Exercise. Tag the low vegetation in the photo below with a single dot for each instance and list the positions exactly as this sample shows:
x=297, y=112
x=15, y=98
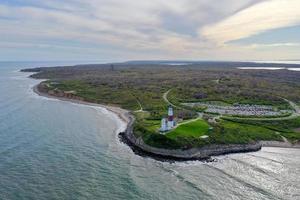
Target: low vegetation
x=140, y=87
x=287, y=128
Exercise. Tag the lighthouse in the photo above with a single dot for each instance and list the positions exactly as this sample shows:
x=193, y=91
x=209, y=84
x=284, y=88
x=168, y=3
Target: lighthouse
x=168, y=123
x=171, y=123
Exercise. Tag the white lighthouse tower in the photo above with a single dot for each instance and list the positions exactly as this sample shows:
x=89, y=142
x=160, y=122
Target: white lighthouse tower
x=171, y=123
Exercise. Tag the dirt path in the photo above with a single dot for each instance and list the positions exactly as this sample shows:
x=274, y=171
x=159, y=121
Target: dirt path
x=192, y=120
x=140, y=105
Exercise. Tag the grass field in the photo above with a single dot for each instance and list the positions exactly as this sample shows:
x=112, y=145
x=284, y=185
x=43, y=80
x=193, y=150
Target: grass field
x=193, y=129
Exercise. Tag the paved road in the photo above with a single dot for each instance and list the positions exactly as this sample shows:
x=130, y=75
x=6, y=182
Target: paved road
x=294, y=106
x=165, y=97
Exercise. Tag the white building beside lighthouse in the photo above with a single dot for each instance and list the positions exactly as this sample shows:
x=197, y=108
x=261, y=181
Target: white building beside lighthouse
x=168, y=123
x=164, y=125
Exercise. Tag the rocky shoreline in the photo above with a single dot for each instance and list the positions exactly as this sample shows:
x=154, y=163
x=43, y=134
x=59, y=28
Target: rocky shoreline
x=201, y=153
x=139, y=147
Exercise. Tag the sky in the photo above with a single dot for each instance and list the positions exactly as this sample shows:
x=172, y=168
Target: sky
x=119, y=30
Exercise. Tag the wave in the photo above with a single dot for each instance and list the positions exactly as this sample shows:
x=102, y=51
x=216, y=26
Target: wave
x=246, y=184
x=186, y=181
x=254, y=167
x=265, y=158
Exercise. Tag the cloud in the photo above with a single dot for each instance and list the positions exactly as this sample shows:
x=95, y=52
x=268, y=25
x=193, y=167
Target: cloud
x=256, y=46
x=144, y=28
x=256, y=19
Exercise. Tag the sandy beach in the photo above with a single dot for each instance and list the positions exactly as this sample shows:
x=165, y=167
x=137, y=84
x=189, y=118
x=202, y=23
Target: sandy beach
x=121, y=113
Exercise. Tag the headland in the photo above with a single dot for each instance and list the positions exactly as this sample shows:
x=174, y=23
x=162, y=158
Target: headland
x=186, y=112
x=141, y=148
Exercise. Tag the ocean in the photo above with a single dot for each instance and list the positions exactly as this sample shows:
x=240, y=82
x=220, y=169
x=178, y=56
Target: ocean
x=50, y=149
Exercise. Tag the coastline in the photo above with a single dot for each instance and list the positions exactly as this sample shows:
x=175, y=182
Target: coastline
x=140, y=148
x=284, y=144
x=122, y=114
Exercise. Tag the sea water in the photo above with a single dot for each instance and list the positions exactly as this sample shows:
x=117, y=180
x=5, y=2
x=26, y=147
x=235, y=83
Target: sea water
x=50, y=149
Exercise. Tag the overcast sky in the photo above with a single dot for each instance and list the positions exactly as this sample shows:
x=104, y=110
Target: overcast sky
x=116, y=30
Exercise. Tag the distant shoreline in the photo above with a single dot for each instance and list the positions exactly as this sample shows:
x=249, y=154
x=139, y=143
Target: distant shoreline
x=269, y=68
x=142, y=149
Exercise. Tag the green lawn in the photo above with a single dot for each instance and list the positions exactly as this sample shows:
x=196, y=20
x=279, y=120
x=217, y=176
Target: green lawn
x=193, y=129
